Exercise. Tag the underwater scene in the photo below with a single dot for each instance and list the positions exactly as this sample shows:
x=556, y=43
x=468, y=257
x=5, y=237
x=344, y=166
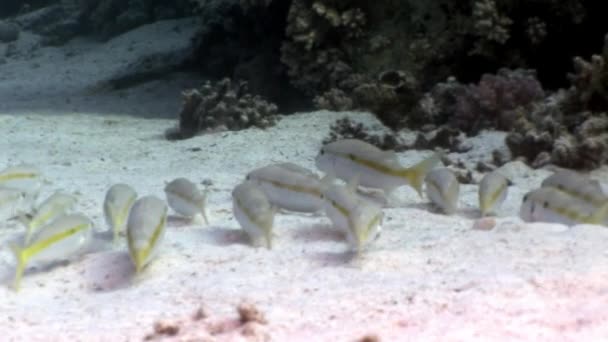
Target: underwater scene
x=303, y=170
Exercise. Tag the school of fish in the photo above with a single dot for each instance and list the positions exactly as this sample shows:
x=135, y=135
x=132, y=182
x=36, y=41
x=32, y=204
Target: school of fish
x=56, y=231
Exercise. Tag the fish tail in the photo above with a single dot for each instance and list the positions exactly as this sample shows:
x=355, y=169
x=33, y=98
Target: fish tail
x=22, y=257
x=415, y=175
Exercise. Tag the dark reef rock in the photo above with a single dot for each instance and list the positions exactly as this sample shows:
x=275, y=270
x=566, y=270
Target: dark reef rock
x=222, y=106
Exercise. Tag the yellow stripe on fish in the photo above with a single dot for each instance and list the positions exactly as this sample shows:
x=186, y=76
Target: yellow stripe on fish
x=145, y=229
x=492, y=192
x=375, y=168
x=554, y=206
x=58, y=232
x=253, y=211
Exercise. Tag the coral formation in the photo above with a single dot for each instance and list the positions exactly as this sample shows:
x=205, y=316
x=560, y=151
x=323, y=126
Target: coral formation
x=569, y=128
x=222, y=106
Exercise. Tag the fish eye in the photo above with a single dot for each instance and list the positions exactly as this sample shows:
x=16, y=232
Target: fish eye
x=351, y=156
x=545, y=204
x=248, y=177
x=526, y=198
x=322, y=151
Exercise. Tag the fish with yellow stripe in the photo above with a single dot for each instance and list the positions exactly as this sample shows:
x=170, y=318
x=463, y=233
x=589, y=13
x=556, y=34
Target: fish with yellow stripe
x=549, y=204
x=116, y=206
x=56, y=205
x=374, y=167
x=443, y=188
x=59, y=240
x=578, y=186
x=25, y=178
x=146, y=229
x=254, y=212
x=359, y=219
x=492, y=192
x=289, y=186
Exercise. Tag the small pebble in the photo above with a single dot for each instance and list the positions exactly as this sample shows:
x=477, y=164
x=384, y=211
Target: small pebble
x=485, y=223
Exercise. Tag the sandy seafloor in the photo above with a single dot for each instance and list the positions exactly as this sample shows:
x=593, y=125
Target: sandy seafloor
x=429, y=277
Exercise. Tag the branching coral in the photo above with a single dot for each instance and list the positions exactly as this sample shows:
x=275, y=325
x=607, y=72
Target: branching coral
x=222, y=106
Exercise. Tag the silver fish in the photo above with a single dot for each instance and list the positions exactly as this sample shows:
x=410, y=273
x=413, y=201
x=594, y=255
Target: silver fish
x=551, y=205
x=116, y=206
x=146, y=229
x=442, y=188
x=254, y=212
x=374, y=168
x=56, y=241
x=578, y=186
x=289, y=186
x=359, y=219
x=493, y=190
x=56, y=205
x=186, y=199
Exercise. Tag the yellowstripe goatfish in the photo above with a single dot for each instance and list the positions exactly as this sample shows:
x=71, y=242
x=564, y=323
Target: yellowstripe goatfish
x=374, y=168
x=186, y=199
x=442, y=188
x=549, y=204
x=359, y=219
x=254, y=212
x=25, y=178
x=53, y=207
x=116, y=206
x=289, y=186
x=59, y=240
x=146, y=229
x=492, y=192
x=578, y=186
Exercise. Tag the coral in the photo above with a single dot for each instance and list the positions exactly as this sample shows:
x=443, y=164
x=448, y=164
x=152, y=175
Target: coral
x=590, y=81
x=489, y=104
x=569, y=128
x=491, y=26
x=222, y=106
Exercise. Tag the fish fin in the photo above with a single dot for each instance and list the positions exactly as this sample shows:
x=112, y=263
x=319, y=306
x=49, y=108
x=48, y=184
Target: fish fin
x=22, y=258
x=417, y=173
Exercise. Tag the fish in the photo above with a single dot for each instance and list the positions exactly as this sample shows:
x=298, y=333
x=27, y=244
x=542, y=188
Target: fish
x=59, y=240
x=442, y=189
x=11, y=203
x=116, y=206
x=289, y=186
x=359, y=219
x=493, y=190
x=374, y=167
x=578, y=186
x=146, y=229
x=254, y=212
x=54, y=206
x=186, y=199
x=24, y=177
x=549, y=204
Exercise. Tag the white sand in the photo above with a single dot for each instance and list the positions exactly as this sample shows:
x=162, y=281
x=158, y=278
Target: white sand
x=429, y=277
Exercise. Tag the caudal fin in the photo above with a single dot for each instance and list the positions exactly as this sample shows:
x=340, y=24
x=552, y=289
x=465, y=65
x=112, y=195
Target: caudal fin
x=415, y=175
x=21, y=257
